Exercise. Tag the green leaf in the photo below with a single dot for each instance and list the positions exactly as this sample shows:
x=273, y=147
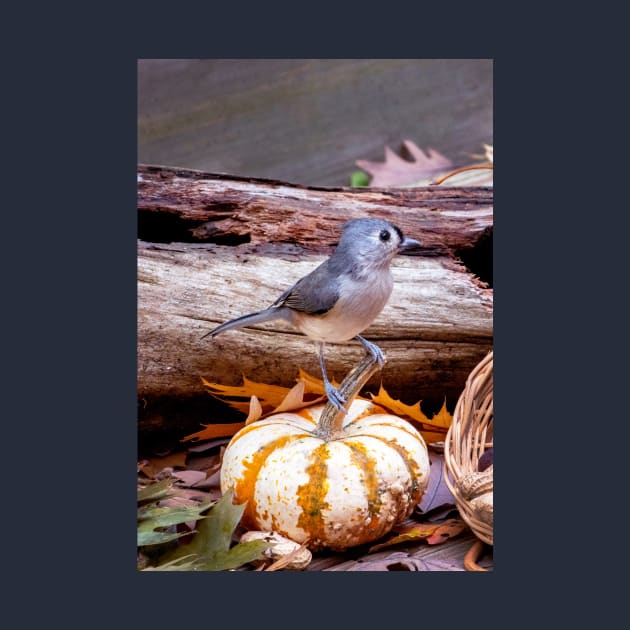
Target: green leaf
x=151, y=537
x=222, y=521
x=359, y=178
x=157, y=490
x=211, y=544
x=153, y=519
x=236, y=557
x=164, y=516
x=186, y=563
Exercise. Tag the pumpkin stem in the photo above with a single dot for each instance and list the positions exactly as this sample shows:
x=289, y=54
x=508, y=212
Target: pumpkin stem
x=331, y=420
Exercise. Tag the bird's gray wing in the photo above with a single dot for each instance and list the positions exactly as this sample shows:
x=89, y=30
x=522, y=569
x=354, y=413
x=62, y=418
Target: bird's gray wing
x=314, y=294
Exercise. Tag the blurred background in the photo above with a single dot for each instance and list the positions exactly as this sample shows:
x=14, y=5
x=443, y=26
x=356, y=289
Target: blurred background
x=307, y=121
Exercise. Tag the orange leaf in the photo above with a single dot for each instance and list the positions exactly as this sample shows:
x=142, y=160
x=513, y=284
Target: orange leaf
x=212, y=431
x=398, y=407
x=262, y=400
x=269, y=398
x=312, y=385
x=269, y=395
x=433, y=429
x=442, y=418
x=273, y=399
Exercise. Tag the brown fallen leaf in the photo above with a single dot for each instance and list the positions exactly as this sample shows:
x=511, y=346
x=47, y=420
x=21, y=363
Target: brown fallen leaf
x=203, y=462
x=255, y=410
x=213, y=479
x=210, y=480
x=293, y=400
x=189, y=478
x=396, y=171
x=155, y=465
x=432, y=533
x=184, y=497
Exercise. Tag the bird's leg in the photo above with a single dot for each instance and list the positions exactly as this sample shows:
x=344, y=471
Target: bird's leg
x=374, y=350
x=331, y=391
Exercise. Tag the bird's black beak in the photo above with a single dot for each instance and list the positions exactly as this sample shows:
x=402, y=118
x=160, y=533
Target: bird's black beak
x=409, y=245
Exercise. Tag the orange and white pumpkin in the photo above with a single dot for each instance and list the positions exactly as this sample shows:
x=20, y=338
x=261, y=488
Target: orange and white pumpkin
x=338, y=493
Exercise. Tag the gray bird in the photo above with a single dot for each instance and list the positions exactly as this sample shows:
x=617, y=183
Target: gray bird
x=342, y=297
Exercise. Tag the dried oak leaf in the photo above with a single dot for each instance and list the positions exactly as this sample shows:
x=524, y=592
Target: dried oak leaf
x=215, y=430
x=153, y=466
x=432, y=533
x=268, y=395
x=259, y=400
x=396, y=171
x=264, y=400
x=433, y=429
x=189, y=478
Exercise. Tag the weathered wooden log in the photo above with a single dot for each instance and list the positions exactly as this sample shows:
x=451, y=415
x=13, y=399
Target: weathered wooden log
x=213, y=247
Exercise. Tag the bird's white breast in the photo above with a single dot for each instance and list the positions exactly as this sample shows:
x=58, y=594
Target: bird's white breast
x=359, y=304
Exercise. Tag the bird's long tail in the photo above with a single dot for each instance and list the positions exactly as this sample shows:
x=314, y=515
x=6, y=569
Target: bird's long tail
x=267, y=315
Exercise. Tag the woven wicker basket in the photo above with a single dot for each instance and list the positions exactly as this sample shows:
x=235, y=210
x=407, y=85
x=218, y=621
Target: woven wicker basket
x=469, y=436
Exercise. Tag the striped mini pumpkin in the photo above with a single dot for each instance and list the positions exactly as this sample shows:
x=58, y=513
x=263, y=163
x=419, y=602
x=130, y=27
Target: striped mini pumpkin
x=339, y=493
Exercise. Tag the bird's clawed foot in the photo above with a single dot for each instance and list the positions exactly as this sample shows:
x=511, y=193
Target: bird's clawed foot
x=338, y=401
x=334, y=396
x=374, y=350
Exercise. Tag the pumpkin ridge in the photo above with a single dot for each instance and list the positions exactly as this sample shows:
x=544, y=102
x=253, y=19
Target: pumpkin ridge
x=415, y=473
x=360, y=458
x=312, y=495
x=246, y=482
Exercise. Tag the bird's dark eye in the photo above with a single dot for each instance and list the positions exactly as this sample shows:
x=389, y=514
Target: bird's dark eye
x=384, y=235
